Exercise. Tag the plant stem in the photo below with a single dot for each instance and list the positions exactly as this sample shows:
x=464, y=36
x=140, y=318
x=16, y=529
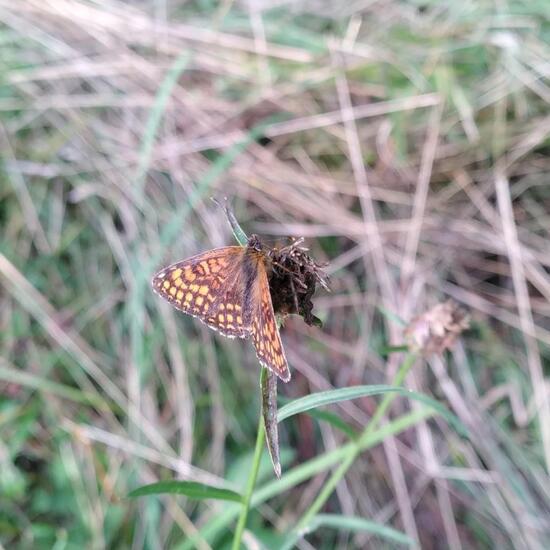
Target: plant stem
x=241, y=524
x=356, y=449
x=306, y=471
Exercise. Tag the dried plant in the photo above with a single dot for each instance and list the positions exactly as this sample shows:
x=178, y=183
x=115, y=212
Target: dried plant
x=437, y=329
x=293, y=280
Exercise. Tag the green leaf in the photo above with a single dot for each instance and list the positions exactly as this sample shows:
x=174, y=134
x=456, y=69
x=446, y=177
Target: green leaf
x=320, y=399
x=334, y=420
x=305, y=471
x=191, y=489
x=349, y=523
x=240, y=236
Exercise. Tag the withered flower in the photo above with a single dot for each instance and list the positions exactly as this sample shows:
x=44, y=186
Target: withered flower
x=436, y=329
x=293, y=279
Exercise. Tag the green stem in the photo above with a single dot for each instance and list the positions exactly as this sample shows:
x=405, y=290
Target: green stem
x=356, y=449
x=241, y=524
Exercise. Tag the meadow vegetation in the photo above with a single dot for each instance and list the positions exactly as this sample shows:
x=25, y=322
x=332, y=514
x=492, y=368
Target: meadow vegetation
x=408, y=142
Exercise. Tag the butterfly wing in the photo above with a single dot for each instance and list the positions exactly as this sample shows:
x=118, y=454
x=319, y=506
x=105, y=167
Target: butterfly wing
x=209, y=286
x=265, y=333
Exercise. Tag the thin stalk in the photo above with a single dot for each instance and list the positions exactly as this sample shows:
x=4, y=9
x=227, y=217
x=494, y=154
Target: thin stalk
x=241, y=524
x=357, y=447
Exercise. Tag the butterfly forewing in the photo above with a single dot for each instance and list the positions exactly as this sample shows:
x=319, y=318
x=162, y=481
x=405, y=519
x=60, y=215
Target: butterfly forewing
x=228, y=289
x=265, y=333
x=211, y=287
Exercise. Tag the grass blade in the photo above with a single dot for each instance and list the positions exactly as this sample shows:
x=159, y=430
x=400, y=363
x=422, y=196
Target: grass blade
x=191, y=489
x=334, y=420
x=155, y=119
x=305, y=471
x=320, y=399
x=349, y=523
x=353, y=523
x=32, y=381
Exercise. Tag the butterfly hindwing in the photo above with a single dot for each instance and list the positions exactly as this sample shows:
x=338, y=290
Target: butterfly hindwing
x=209, y=286
x=265, y=333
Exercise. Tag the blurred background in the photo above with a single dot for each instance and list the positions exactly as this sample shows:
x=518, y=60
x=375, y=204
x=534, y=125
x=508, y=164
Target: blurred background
x=406, y=141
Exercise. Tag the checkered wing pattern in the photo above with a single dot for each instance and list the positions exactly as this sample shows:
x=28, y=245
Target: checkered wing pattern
x=211, y=287
x=265, y=333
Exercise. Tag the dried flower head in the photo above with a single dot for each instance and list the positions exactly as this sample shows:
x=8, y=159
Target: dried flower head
x=436, y=329
x=293, y=279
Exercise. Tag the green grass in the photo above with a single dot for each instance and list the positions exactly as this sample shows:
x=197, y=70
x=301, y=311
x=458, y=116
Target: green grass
x=117, y=125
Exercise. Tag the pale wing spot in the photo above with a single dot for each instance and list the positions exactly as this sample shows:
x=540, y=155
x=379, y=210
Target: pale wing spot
x=239, y=320
x=238, y=307
x=201, y=284
x=204, y=265
x=222, y=307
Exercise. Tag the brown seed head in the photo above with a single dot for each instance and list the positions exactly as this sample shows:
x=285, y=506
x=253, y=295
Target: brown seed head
x=293, y=280
x=437, y=329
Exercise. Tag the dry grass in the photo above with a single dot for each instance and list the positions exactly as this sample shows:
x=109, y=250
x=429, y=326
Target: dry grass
x=408, y=145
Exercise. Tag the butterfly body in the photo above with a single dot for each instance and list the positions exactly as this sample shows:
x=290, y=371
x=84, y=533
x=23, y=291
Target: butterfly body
x=228, y=290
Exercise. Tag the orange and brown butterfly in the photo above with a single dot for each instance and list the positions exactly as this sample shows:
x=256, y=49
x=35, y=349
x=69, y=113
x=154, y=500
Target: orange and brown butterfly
x=228, y=290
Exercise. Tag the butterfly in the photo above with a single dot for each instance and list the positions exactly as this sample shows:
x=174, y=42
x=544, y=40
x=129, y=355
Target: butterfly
x=228, y=290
